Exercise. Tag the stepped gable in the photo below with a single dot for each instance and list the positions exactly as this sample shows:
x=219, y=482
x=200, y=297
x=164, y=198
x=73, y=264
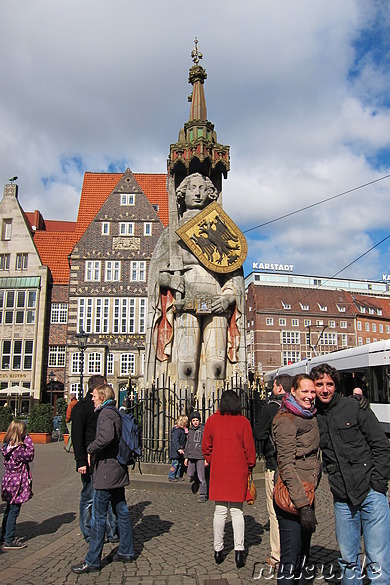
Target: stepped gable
x=98, y=186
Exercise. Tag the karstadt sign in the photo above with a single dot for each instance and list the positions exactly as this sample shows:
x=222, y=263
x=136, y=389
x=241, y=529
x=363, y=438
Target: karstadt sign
x=272, y=266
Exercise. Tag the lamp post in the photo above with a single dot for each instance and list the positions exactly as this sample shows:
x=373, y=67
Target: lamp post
x=52, y=379
x=82, y=339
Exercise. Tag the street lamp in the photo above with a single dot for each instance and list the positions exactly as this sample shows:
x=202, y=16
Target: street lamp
x=82, y=339
x=52, y=379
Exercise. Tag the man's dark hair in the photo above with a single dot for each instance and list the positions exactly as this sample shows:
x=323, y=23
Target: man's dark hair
x=230, y=403
x=284, y=380
x=95, y=381
x=326, y=370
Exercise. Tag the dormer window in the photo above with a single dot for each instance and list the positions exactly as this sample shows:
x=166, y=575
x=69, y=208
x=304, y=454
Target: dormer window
x=156, y=207
x=340, y=309
x=362, y=309
x=286, y=306
x=371, y=311
x=322, y=307
x=304, y=307
x=379, y=311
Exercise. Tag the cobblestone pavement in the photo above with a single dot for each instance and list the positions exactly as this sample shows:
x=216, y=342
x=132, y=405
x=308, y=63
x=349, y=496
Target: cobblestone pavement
x=173, y=535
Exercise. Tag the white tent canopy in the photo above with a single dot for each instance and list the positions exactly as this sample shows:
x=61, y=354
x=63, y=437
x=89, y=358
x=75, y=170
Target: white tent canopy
x=15, y=391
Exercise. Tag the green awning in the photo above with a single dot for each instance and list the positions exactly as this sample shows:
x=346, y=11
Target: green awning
x=20, y=282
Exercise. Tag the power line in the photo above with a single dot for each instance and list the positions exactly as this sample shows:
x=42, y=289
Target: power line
x=315, y=204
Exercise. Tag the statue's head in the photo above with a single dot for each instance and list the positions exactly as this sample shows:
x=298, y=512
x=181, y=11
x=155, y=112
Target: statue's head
x=195, y=192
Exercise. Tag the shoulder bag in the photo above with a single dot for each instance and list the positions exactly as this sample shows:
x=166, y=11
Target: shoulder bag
x=282, y=496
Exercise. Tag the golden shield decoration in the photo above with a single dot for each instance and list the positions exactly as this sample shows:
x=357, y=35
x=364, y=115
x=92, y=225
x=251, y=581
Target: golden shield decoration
x=215, y=239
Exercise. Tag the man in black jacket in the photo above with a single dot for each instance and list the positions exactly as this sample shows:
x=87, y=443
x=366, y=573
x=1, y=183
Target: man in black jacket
x=266, y=448
x=84, y=420
x=356, y=457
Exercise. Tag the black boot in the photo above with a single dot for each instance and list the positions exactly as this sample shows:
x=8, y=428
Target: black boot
x=240, y=561
x=218, y=556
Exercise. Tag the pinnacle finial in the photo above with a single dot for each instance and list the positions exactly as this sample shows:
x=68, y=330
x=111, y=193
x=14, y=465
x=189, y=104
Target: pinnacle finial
x=196, y=55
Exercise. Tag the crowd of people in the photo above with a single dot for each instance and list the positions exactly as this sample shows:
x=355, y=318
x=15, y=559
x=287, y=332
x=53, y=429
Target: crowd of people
x=306, y=429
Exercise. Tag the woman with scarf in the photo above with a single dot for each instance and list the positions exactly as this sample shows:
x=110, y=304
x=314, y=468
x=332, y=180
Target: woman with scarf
x=109, y=481
x=296, y=435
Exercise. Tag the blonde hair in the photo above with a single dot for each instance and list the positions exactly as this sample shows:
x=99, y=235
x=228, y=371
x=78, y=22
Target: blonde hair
x=105, y=392
x=182, y=421
x=16, y=432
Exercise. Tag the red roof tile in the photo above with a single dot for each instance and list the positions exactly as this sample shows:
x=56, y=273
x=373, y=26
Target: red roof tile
x=98, y=186
x=53, y=248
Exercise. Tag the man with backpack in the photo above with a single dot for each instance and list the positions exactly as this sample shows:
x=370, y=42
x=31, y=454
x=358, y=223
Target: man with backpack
x=266, y=449
x=109, y=480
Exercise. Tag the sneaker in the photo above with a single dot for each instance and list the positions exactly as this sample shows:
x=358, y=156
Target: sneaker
x=202, y=499
x=118, y=558
x=173, y=479
x=14, y=544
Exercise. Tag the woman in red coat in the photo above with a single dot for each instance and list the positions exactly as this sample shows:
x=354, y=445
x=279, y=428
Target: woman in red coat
x=229, y=449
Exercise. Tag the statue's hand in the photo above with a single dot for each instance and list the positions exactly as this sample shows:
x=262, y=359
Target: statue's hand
x=221, y=304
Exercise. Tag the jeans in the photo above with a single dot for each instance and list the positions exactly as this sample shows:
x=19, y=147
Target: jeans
x=294, y=549
x=86, y=501
x=238, y=523
x=101, y=501
x=371, y=518
x=9, y=522
x=176, y=468
x=197, y=465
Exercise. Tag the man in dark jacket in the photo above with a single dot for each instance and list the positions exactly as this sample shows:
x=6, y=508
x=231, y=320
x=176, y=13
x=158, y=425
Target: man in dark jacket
x=266, y=448
x=84, y=420
x=109, y=481
x=356, y=456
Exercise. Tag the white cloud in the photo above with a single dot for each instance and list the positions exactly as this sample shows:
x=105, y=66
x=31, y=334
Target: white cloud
x=303, y=107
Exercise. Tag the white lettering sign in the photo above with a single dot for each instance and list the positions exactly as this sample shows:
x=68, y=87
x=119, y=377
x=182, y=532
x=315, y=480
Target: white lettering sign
x=385, y=276
x=274, y=266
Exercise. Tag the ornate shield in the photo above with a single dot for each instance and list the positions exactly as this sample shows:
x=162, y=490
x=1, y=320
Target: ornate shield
x=215, y=239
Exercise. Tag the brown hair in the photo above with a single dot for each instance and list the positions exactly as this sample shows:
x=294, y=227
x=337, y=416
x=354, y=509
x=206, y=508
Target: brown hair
x=16, y=432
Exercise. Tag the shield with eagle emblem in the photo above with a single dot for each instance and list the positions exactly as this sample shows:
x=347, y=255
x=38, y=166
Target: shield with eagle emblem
x=215, y=239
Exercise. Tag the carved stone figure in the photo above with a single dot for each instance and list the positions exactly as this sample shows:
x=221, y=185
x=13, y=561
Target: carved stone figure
x=195, y=325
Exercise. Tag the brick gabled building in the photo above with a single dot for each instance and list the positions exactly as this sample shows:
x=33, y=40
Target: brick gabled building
x=116, y=233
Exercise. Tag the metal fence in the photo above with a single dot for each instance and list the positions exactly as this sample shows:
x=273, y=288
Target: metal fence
x=158, y=408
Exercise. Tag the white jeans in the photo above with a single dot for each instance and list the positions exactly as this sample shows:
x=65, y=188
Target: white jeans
x=238, y=523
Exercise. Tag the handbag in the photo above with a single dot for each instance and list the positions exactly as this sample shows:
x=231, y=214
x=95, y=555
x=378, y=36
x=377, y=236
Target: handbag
x=282, y=497
x=252, y=491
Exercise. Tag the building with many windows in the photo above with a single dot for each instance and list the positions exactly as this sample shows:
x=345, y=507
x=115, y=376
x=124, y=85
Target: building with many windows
x=293, y=317
x=24, y=283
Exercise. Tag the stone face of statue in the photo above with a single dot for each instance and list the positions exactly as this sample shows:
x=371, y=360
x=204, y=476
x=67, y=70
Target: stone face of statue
x=197, y=193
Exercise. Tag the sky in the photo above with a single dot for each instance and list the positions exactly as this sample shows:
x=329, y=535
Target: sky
x=299, y=90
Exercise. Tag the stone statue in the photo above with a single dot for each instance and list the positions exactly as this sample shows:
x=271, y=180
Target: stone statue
x=196, y=315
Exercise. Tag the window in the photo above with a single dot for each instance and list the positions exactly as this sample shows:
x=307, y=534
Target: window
x=142, y=315
x=319, y=323
x=367, y=326
x=21, y=262
x=332, y=324
x=290, y=357
x=286, y=306
x=374, y=327
x=362, y=309
x=94, y=362
x=387, y=328
x=269, y=321
x=156, y=206
x=344, y=340
x=92, y=270
x=360, y=340
x=105, y=228
x=295, y=322
x=59, y=313
x=379, y=311
x=328, y=339
x=76, y=363
x=282, y=322
x=359, y=325
x=307, y=322
x=371, y=311
x=343, y=324
x=322, y=307
x=341, y=309
x=368, y=340
x=147, y=229
x=102, y=314
x=6, y=229
x=4, y=261
x=74, y=388
x=127, y=361
x=126, y=228
x=375, y=339
x=124, y=315
x=17, y=355
x=57, y=354
x=127, y=199
x=304, y=307
x=317, y=282
x=138, y=270
x=110, y=364
x=291, y=337
x=6, y=355
x=380, y=328
x=113, y=270
x=15, y=303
